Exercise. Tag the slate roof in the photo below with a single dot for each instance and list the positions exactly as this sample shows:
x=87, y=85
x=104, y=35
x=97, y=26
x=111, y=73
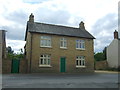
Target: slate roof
x=36, y=27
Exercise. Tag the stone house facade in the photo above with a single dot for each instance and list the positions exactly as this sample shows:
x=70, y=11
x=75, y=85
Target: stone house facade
x=58, y=49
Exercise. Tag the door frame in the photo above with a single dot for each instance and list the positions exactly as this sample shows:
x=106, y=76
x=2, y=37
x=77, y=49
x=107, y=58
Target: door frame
x=60, y=64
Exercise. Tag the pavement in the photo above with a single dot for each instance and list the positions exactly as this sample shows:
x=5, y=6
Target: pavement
x=99, y=79
x=104, y=71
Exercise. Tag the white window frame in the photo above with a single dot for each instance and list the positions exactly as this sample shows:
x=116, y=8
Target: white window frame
x=81, y=61
x=44, y=63
x=63, y=43
x=45, y=41
x=80, y=44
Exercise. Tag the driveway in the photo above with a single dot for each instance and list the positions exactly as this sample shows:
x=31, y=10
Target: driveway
x=96, y=80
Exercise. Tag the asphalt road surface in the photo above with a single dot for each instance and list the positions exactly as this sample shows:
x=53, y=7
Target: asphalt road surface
x=96, y=80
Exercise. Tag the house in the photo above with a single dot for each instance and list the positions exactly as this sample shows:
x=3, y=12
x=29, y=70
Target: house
x=55, y=49
x=2, y=47
x=113, y=51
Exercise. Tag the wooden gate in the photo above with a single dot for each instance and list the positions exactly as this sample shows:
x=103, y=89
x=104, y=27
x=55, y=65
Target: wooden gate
x=15, y=66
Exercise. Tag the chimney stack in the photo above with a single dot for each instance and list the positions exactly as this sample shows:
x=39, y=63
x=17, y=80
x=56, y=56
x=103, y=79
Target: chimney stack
x=31, y=18
x=81, y=25
x=115, y=34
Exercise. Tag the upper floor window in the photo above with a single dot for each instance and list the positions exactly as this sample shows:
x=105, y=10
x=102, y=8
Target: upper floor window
x=44, y=60
x=80, y=61
x=63, y=43
x=45, y=41
x=80, y=44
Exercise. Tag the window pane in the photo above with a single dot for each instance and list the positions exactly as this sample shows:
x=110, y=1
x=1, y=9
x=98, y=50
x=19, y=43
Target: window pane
x=45, y=56
x=77, y=45
x=44, y=61
x=49, y=43
x=48, y=56
x=77, y=57
x=76, y=62
x=48, y=61
x=83, y=45
x=82, y=57
x=80, y=62
x=65, y=44
x=41, y=61
x=61, y=43
x=83, y=62
x=45, y=41
x=41, y=43
x=80, y=45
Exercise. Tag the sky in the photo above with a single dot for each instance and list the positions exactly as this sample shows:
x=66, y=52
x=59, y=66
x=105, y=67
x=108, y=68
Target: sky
x=100, y=18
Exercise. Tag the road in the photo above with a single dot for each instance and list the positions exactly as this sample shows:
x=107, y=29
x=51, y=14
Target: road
x=96, y=80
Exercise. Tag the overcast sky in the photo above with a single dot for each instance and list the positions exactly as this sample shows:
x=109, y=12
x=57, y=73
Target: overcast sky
x=100, y=18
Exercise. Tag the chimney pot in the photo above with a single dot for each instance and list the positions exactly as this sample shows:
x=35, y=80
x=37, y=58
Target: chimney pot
x=81, y=25
x=115, y=34
x=31, y=18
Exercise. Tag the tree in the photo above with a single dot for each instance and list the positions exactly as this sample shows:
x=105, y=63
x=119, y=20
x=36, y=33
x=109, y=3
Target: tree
x=105, y=53
x=99, y=56
x=12, y=55
x=9, y=50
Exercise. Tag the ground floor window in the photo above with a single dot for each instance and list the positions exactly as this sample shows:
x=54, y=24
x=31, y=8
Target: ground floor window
x=80, y=61
x=44, y=60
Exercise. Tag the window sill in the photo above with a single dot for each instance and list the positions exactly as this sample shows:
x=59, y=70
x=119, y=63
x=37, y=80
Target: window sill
x=80, y=49
x=80, y=66
x=45, y=66
x=63, y=48
x=45, y=46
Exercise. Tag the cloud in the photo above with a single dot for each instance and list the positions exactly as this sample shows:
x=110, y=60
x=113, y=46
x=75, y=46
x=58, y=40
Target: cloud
x=107, y=22
x=14, y=15
x=103, y=30
x=15, y=44
x=15, y=32
x=35, y=1
x=119, y=18
x=16, y=29
x=50, y=16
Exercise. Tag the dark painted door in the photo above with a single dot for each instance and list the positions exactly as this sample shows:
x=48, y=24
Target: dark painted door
x=62, y=64
x=15, y=66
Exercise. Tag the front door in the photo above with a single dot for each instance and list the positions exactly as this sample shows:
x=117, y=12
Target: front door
x=62, y=64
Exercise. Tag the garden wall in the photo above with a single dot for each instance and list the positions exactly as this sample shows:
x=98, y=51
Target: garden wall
x=7, y=66
x=101, y=65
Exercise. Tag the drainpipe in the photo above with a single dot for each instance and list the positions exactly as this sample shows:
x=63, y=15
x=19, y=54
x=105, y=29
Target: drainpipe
x=31, y=54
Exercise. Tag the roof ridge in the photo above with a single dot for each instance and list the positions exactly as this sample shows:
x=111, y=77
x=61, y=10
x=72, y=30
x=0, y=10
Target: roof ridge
x=58, y=30
x=57, y=25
